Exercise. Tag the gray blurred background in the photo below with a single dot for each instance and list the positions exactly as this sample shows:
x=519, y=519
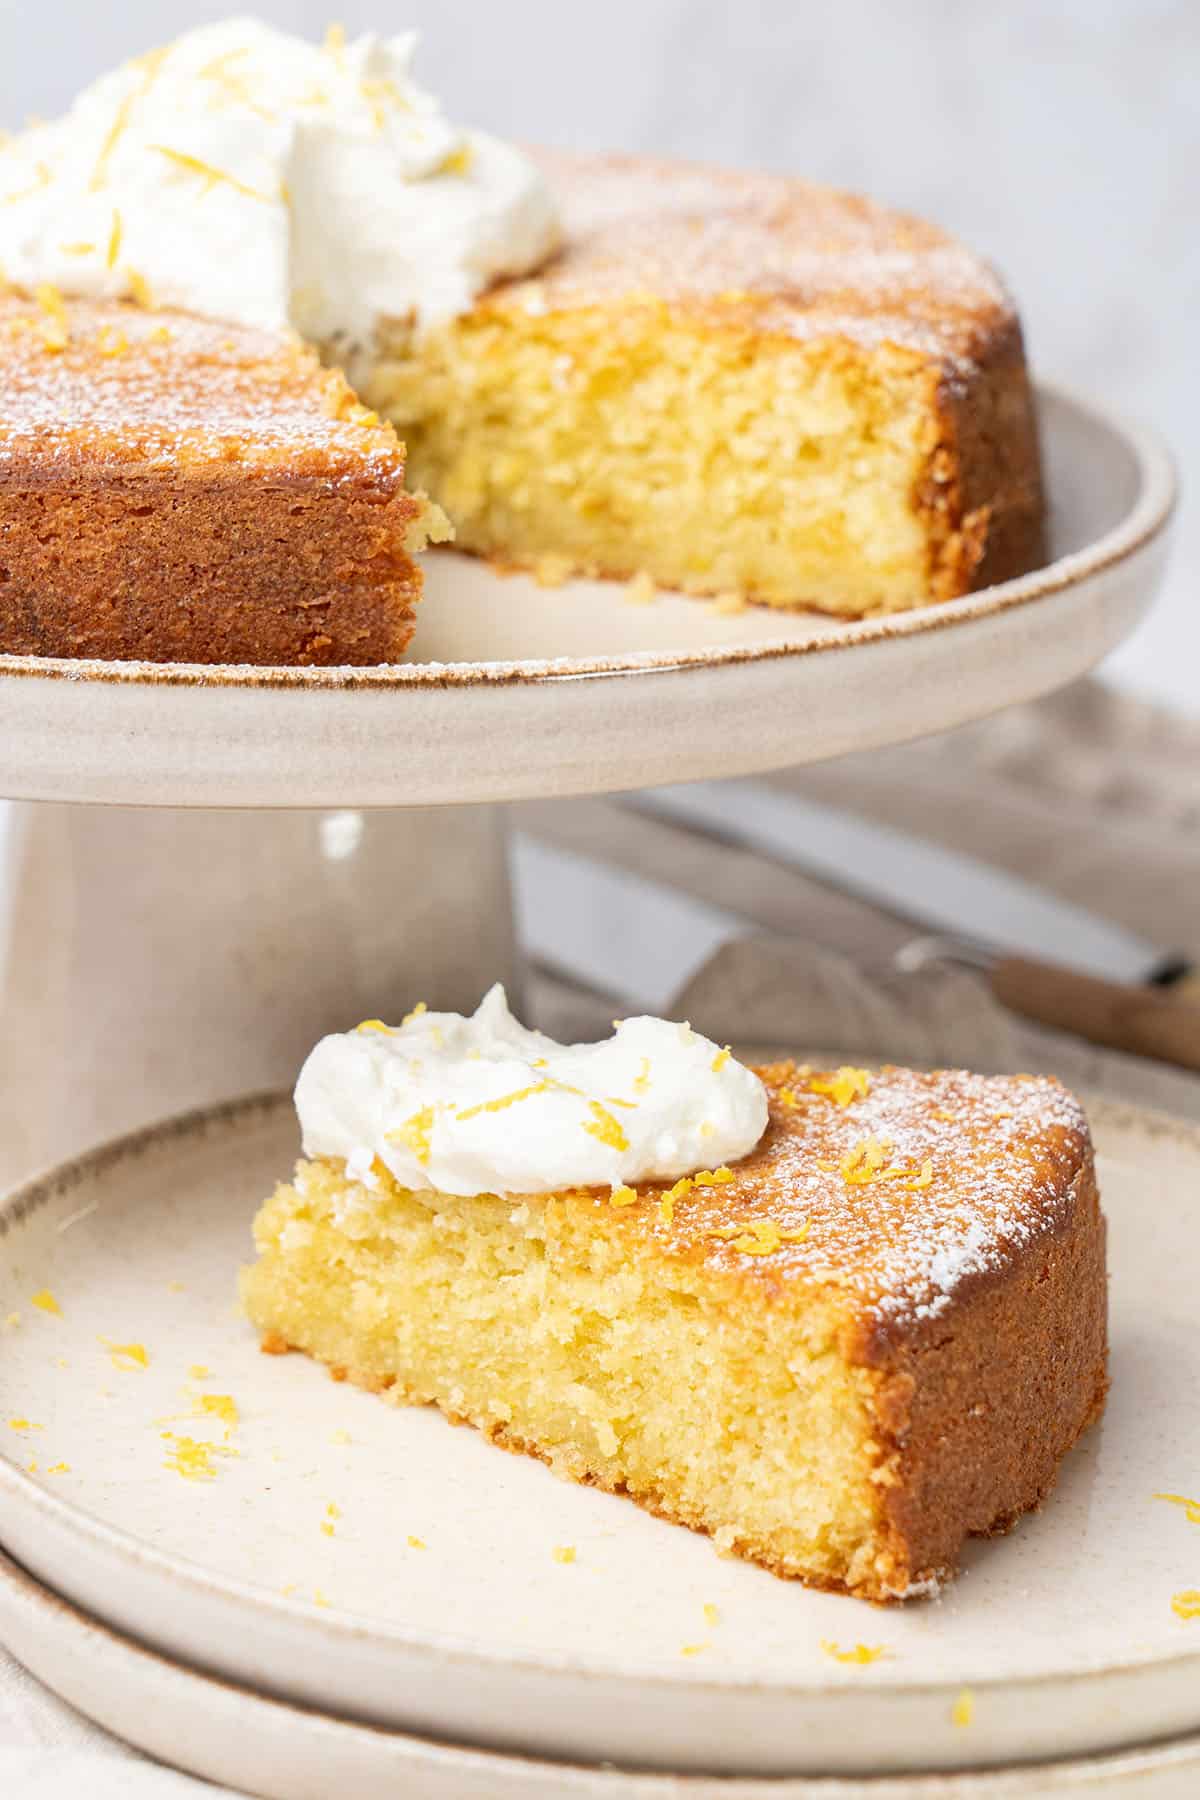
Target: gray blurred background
x=1062, y=139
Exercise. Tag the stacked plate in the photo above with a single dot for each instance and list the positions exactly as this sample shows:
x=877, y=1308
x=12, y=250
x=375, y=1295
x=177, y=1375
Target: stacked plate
x=279, y=1583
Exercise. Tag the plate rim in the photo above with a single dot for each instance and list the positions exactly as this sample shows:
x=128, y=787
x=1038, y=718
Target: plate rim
x=1135, y=1760
x=341, y=1624
x=1147, y=519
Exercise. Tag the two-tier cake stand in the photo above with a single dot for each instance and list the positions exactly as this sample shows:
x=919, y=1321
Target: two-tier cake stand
x=210, y=867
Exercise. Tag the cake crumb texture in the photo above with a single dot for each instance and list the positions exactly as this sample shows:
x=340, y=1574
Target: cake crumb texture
x=733, y=384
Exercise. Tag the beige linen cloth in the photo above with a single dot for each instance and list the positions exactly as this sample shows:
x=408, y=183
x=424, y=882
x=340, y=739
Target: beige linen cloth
x=1093, y=795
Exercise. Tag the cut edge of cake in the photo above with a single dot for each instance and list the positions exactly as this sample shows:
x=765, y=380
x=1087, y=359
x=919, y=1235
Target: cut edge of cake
x=732, y=384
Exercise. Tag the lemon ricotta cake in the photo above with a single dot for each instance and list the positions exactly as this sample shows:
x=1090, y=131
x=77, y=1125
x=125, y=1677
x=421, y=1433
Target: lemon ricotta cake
x=838, y=1320
x=734, y=384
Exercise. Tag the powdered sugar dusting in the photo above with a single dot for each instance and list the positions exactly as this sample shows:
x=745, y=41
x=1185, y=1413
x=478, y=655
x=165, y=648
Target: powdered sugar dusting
x=137, y=385
x=973, y=1170
x=774, y=253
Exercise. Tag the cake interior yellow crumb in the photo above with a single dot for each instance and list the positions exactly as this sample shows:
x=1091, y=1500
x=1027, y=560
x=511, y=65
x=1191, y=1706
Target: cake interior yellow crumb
x=532, y=1321
x=635, y=443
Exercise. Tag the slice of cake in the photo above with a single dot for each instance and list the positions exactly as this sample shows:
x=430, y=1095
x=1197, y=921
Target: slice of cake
x=184, y=490
x=732, y=383
x=876, y=1332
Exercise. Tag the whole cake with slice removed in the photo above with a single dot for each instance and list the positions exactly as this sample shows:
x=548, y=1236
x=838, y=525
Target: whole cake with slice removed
x=839, y=1321
x=737, y=385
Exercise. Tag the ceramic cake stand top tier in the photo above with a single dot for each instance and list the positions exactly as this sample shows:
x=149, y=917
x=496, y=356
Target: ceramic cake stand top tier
x=580, y=691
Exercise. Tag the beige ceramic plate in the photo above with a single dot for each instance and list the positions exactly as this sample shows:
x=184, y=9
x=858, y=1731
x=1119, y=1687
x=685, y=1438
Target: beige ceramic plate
x=1064, y=1632
x=516, y=690
x=230, y=1734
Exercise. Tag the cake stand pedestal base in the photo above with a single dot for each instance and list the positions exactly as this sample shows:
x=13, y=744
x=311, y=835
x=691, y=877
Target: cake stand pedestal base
x=158, y=959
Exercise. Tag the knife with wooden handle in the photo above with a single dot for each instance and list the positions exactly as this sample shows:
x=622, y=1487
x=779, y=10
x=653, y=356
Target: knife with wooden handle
x=1046, y=958
x=1155, y=1021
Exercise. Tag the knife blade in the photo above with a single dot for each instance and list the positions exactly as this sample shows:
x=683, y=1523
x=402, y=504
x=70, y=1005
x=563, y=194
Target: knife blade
x=625, y=935
x=942, y=892
x=638, y=940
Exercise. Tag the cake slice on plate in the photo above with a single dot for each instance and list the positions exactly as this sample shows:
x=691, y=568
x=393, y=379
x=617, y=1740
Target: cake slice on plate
x=871, y=1324
x=186, y=490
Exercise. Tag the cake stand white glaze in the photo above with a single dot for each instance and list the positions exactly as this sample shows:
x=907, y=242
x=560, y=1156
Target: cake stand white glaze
x=159, y=950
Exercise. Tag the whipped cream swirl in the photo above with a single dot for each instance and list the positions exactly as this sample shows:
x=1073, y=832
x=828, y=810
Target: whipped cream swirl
x=482, y=1105
x=248, y=175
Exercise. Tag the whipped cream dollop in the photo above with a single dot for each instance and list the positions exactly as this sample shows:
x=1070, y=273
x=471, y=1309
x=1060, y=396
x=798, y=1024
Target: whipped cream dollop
x=246, y=174
x=482, y=1105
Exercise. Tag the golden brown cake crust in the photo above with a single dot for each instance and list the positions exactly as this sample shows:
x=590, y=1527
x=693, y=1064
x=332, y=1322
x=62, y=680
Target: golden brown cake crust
x=179, y=489
x=772, y=256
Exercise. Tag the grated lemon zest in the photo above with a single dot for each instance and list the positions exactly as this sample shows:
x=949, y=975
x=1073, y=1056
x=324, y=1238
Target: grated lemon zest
x=416, y=1543
x=233, y=85
x=45, y=1302
x=564, y=1553
x=963, y=1710
x=864, y=1161
x=706, y=1178
x=458, y=162
x=114, y=241
x=199, y=1371
x=220, y=1406
x=623, y=1196
x=418, y=1011
x=149, y=65
x=375, y=89
x=712, y=1614
x=140, y=290
x=192, y=1458
x=692, y=1649
x=210, y=175
x=641, y=1080
x=24, y=1425
x=78, y=249
x=504, y=1100
x=375, y=1025
x=605, y=1128
x=847, y=1085
x=1186, y=1604
x=1191, y=1507
x=861, y=1653
x=127, y=1356
x=415, y=1134
x=720, y=1059
x=59, y=1468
